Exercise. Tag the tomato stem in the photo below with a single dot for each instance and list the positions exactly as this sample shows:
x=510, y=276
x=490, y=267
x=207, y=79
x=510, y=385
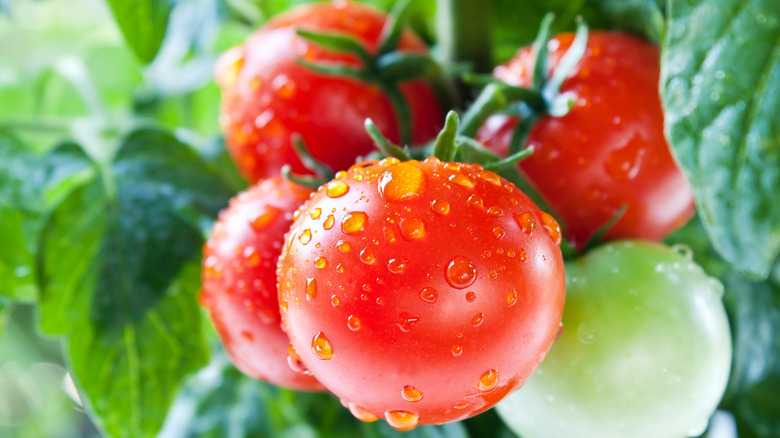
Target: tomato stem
x=311, y=182
x=444, y=147
x=383, y=144
x=319, y=168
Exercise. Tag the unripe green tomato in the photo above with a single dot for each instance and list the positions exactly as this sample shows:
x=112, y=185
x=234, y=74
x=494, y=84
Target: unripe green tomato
x=645, y=350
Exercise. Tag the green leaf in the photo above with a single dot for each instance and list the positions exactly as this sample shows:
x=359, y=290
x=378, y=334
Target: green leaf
x=754, y=311
x=143, y=24
x=119, y=275
x=720, y=79
x=644, y=18
x=30, y=184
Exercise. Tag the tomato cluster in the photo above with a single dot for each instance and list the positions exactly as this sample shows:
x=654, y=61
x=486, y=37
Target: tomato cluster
x=426, y=291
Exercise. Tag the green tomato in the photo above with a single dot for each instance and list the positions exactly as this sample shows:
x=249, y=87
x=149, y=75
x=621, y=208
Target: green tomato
x=645, y=350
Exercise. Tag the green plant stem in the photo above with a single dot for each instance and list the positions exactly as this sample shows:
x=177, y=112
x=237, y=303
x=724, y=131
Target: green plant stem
x=464, y=29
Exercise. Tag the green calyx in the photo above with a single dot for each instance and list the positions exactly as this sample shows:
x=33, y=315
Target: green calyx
x=387, y=68
x=529, y=104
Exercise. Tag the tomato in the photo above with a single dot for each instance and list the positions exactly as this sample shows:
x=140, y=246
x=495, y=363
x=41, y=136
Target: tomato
x=267, y=95
x=421, y=292
x=645, y=350
x=609, y=150
x=239, y=281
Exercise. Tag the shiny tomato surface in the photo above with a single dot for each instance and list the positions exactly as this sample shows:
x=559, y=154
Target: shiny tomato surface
x=267, y=95
x=609, y=150
x=421, y=292
x=239, y=281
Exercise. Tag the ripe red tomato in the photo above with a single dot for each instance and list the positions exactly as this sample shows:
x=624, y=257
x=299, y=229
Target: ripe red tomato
x=421, y=292
x=609, y=150
x=267, y=95
x=239, y=281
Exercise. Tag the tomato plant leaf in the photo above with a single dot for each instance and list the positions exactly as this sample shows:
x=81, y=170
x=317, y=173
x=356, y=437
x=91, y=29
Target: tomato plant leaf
x=644, y=18
x=754, y=311
x=119, y=274
x=143, y=24
x=5, y=310
x=720, y=77
x=30, y=184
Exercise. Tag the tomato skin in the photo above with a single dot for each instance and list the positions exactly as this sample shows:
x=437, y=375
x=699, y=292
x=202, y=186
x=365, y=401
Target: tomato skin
x=239, y=281
x=267, y=95
x=425, y=286
x=609, y=150
x=645, y=350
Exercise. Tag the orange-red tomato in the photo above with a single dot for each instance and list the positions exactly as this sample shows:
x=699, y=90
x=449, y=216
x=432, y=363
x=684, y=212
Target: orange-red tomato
x=421, y=292
x=609, y=150
x=239, y=281
x=267, y=95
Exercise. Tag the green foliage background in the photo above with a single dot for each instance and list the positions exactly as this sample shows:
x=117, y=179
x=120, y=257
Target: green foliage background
x=112, y=168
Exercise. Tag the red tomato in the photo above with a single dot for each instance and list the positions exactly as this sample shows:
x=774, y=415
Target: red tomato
x=239, y=281
x=267, y=95
x=609, y=150
x=421, y=292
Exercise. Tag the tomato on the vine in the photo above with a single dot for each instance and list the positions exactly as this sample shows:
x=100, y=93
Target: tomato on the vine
x=239, y=281
x=268, y=95
x=421, y=292
x=609, y=149
x=645, y=350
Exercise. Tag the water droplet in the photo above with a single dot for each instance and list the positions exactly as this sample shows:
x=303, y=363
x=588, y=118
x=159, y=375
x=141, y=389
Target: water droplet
x=624, y=164
x=247, y=335
x=683, y=250
x=456, y=350
x=294, y=361
x=328, y=224
x=461, y=272
x=252, y=257
x=551, y=226
x=401, y=420
x=526, y=222
x=440, y=207
x=412, y=228
x=429, y=295
x=461, y=406
x=284, y=86
x=353, y=323
x=511, y=298
x=343, y=246
x=354, y=222
x=305, y=236
x=498, y=231
x=490, y=177
x=337, y=188
x=361, y=414
x=401, y=182
x=461, y=180
x=389, y=235
x=315, y=214
x=495, y=211
x=587, y=334
x=476, y=321
x=366, y=256
x=411, y=394
x=488, y=381
x=335, y=301
x=396, y=265
x=311, y=288
x=321, y=347
x=320, y=262
x=405, y=322
x=264, y=219
x=340, y=268
x=471, y=297
x=476, y=202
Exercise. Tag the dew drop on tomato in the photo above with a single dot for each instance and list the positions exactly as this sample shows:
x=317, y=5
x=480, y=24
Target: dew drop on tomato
x=429, y=295
x=353, y=323
x=411, y=394
x=366, y=256
x=488, y=381
x=401, y=182
x=461, y=272
x=305, y=236
x=328, y=224
x=336, y=189
x=552, y=227
x=401, y=420
x=440, y=207
x=320, y=262
x=396, y=265
x=361, y=414
x=311, y=288
x=526, y=222
x=412, y=228
x=321, y=347
x=354, y=222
